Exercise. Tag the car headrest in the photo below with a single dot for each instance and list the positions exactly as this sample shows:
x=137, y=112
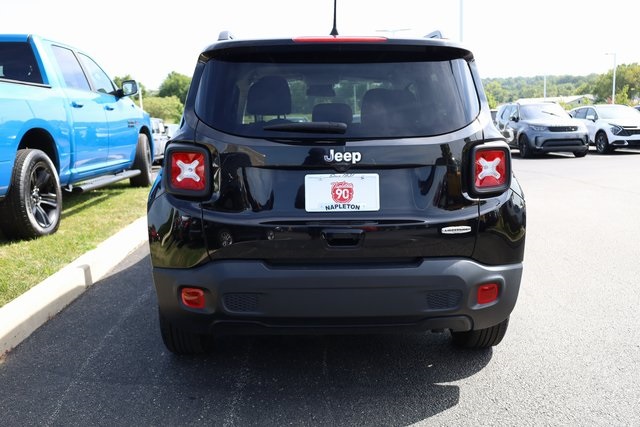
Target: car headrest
x=269, y=96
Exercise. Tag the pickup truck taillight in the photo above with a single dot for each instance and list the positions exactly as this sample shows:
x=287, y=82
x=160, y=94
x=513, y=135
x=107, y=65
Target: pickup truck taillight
x=491, y=170
x=187, y=170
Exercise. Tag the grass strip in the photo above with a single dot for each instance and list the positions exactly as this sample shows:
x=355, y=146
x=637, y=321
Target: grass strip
x=87, y=220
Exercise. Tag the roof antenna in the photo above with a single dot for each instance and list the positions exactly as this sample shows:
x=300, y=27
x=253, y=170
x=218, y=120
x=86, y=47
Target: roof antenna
x=334, y=30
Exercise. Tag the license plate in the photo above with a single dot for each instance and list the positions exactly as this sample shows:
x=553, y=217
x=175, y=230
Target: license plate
x=342, y=192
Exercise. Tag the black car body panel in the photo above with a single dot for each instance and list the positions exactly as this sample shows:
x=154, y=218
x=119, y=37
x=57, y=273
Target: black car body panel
x=269, y=253
x=260, y=295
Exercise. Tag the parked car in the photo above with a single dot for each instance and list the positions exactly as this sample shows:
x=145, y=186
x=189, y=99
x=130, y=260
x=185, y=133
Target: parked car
x=610, y=126
x=542, y=127
x=172, y=129
x=501, y=118
x=494, y=113
x=160, y=138
x=409, y=219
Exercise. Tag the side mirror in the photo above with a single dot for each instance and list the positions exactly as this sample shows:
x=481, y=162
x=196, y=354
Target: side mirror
x=129, y=87
x=591, y=117
x=514, y=118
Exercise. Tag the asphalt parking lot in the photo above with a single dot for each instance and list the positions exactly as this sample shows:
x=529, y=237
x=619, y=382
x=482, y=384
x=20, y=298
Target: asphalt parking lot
x=570, y=356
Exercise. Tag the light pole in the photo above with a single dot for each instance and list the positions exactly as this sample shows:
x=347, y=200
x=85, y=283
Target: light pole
x=613, y=86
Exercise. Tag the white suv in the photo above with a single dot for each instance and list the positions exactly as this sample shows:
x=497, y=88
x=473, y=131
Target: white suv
x=610, y=126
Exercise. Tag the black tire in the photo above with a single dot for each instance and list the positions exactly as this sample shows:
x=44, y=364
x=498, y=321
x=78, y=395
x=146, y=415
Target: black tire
x=179, y=341
x=602, y=143
x=142, y=162
x=581, y=153
x=523, y=146
x=33, y=205
x=481, y=338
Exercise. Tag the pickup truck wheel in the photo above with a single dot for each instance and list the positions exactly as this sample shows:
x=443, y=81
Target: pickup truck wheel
x=142, y=162
x=179, y=341
x=481, y=338
x=33, y=204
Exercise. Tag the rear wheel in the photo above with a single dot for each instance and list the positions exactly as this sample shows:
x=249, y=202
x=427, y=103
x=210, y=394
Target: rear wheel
x=179, y=341
x=602, y=143
x=33, y=204
x=481, y=338
x=142, y=162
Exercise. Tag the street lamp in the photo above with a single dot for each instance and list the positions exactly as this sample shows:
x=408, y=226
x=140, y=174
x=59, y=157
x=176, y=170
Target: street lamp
x=613, y=86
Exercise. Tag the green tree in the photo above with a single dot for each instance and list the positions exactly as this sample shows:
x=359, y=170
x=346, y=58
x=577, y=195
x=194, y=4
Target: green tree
x=491, y=100
x=168, y=108
x=627, y=76
x=584, y=88
x=299, y=99
x=510, y=89
x=602, y=87
x=495, y=89
x=175, y=84
x=622, y=96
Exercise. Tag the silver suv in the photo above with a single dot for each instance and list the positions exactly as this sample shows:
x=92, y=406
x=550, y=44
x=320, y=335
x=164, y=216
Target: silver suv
x=541, y=127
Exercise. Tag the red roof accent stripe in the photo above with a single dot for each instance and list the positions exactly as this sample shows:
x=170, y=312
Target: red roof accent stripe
x=340, y=39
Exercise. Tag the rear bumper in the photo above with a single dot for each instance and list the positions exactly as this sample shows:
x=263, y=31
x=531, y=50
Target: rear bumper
x=252, y=296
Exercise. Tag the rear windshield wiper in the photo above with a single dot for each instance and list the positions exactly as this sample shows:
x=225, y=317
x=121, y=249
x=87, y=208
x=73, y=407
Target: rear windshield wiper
x=309, y=127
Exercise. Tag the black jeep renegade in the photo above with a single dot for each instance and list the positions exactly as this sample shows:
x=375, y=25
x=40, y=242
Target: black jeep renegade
x=336, y=185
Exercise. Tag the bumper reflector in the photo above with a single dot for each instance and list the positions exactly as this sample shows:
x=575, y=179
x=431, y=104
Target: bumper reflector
x=488, y=293
x=193, y=297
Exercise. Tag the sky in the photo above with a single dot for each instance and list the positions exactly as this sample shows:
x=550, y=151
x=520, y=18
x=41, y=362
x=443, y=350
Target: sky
x=148, y=39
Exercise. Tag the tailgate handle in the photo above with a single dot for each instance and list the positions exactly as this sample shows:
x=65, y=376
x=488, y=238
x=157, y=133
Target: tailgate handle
x=342, y=237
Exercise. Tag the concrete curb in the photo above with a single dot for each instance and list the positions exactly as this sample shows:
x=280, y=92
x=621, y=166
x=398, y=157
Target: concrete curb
x=22, y=316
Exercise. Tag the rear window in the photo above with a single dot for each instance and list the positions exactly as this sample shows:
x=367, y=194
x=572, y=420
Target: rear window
x=301, y=99
x=17, y=62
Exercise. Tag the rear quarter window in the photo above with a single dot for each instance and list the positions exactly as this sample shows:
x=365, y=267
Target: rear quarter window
x=373, y=100
x=17, y=62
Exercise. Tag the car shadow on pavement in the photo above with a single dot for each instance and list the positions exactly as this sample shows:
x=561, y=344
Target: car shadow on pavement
x=102, y=360
x=330, y=380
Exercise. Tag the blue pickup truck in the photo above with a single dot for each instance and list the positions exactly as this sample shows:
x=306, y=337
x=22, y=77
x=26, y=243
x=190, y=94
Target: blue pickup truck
x=64, y=125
